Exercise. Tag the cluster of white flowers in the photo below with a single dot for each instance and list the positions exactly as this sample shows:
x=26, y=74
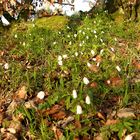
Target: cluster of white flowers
x=60, y=62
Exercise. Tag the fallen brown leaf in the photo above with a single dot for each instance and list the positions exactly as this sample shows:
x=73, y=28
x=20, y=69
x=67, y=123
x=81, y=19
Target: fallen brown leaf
x=76, y=138
x=111, y=122
x=21, y=93
x=77, y=124
x=15, y=125
x=53, y=109
x=100, y=115
x=12, y=107
x=58, y=133
x=94, y=68
x=115, y=82
x=126, y=113
x=94, y=85
x=59, y=115
x=98, y=58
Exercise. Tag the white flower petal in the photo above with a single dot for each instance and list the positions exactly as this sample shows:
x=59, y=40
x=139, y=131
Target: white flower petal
x=88, y=100
x=101, y=51
x=85, y=80
x=88, y=64
x=118, y=68
x=74, y=94
x=65, y=56
x=59, y=58
x=93, y=52
x=6, y=66
x=128, y=137
x=15, y=36
x=112, y=49
x=60, y=62
x=41, y=95
x=79, y=109
x=76, y=53
x=98, y=64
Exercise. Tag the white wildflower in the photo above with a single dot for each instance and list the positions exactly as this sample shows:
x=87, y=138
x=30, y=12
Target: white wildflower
x=93, y=52
x=101, y=40
x=6, y=66
x=80, y=31
x=83, y=41
x=88, y=64
x=115, y=39
x=41, y=95
x=128, y=137
x=68, y=36
x=112, y=49
x=98, y=64
x=75, y=35
x=54, y=43
x=118, y=68
x=94, y=59
x=59, y=58
x=87, y=37
x=65, y=56
x=108, y=81
x=24, y=44
x=80, y=44
x=59, y=32
x=74, y=94
x=102, y=32
x=81, y=53
x=85, y=80
x=76, y=53
x=101, y=51
x=84, y=33
x=94, y=22
x=79, y=109
x=96, y=36
x=94, y=31
x=87, y=100
x=68, y=27
x=60, y=62
x=70, y=43
x=33, y=25
x=15, y=36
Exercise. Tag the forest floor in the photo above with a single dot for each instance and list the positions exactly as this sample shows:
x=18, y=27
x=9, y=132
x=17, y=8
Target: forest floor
x=70, y=79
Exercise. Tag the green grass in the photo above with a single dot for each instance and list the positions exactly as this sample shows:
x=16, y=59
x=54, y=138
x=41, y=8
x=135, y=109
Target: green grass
x=32, y=49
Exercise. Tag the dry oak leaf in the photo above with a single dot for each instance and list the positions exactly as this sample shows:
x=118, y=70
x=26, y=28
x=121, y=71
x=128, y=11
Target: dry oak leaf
x=53, y=109
x=21, y=93
x=94, y=68
x=111, y=122
x=94, y=85
x=115, y=82
x=59, y=115
x=126, y=113
x=100, y=115
x=58, y=133
x=16, y=125
x=8, y=136
x=12, y=107
x=98, y=58
x=77, y=124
